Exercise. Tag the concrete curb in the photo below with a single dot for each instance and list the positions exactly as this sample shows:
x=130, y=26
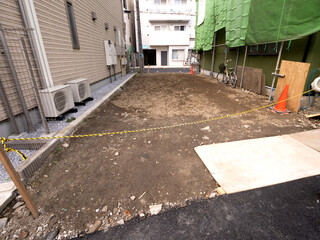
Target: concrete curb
x=29, y=167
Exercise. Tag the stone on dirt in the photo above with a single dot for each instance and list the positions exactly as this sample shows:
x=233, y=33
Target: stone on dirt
x=133, y=198
x=104, y=209
x=18, y=204
x=24, y=234
x=207, y=128
x=51, y=235
x=65, y=145
x=95, y=227
x=3, y=223
x=155, y=209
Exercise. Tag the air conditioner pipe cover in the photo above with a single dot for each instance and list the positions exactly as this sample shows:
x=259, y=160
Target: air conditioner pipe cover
x=316, y=84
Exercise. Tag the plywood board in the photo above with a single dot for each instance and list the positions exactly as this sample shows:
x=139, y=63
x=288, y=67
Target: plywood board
x=255, y=163
x=295, y=75
x=251, y=79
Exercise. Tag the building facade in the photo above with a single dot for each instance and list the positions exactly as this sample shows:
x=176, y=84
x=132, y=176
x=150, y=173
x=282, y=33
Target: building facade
x=130, y=34
x=62, y=40
x=167, y=28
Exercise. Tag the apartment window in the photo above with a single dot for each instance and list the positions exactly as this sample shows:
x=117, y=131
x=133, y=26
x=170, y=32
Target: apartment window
x=179, y=28
x=178, y=54
x=72, y=26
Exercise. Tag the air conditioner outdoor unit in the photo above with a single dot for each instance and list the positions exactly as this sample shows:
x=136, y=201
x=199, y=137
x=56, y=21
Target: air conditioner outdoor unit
x=56, y=100
x=80, y=89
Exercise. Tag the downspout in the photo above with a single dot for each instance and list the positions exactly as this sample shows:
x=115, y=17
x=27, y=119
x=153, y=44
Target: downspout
x=16, y=80
x=7, y=107
x=32, y=22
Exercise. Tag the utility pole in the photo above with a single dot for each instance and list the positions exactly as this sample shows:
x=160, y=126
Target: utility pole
x=139, y=37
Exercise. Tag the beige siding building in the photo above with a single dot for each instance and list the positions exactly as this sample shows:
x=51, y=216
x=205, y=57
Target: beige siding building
x=68, y=38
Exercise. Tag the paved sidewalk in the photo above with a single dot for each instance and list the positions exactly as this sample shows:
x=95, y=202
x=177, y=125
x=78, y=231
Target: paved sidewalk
x=284, y=211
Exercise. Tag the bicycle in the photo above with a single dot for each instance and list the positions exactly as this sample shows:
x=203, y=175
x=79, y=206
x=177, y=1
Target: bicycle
x=228, y=76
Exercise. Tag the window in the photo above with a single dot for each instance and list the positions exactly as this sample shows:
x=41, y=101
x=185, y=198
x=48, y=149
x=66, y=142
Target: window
x=179, y=28
x=178, y=54
x=72, y=26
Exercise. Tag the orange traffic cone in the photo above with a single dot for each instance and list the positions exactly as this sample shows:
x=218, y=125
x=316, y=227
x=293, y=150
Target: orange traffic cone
x=282, y=102
x=191, y=70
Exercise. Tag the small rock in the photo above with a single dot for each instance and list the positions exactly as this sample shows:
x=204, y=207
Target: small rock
x=104, y=209
x=24, y=234
x=3, y=223
x=207, y=128
x=65, y=145
x=133, y=198
x=120, y=222
x=205, y=138
x=51, y=235
x=212, y=195
x=18, y=204
x=117, y=154
x=155, y=209
x=95, y=227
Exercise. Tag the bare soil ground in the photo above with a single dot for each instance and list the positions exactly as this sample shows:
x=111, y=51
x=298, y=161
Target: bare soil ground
x=92, y=173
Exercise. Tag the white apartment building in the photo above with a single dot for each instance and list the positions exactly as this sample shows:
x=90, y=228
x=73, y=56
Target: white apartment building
x=167, y=28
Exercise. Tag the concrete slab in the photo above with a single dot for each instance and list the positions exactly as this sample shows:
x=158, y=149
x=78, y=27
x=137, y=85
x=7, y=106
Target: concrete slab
x=309, y=138
x=249, y=164
x=7, y=194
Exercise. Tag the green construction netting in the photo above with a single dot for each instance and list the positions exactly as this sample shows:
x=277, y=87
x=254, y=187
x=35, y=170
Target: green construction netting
x=251, y=22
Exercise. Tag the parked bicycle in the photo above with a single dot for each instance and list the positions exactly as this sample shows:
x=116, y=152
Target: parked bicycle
x=227, y=76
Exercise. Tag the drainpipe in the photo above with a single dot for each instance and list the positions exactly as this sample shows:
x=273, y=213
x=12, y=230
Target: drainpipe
x=7, y=107
x=16, y=80
x=213, y=51
x=31, y=43
x=237, y=60
x=32, y=23
x=244, y=65
x=277, y=69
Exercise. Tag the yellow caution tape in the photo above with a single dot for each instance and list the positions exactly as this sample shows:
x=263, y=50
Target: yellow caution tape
x=4, y=140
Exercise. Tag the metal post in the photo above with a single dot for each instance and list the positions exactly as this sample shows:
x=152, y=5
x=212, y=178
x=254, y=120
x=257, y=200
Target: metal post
x=18, y=183
x=244, y=65
x=213, y=51
x=114, y=71
x=35, y=88
x=30, y=39
x=16, y=80
x=276, y=69
x=110, y=72
x=237, y=60
x=7, y=107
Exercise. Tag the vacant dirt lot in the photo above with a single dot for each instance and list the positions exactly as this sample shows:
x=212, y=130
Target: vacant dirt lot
x=106, y=171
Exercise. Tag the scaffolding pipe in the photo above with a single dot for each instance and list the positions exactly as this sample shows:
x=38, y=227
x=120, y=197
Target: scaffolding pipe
x=7, y=107
x=214, y=51
x=276, y=69
x=243, y=66
x=237, y=60
x=16, y=80
x=30, y=39
x=35, y=88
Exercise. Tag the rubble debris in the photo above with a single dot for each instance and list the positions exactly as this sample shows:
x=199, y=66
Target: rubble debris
x=155, y=209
